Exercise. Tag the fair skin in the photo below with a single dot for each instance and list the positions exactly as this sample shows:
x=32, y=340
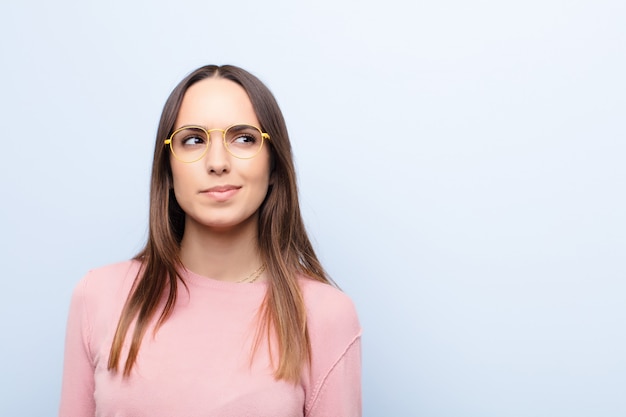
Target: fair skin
x=220, y=194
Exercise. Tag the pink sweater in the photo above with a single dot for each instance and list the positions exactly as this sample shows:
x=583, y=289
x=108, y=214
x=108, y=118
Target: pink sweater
x=199, y=361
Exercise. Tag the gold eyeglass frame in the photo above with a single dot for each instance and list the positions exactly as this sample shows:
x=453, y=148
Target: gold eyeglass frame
x=168, y=141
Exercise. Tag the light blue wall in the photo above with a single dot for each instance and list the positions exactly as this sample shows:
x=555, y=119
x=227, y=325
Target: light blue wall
x=461, y=168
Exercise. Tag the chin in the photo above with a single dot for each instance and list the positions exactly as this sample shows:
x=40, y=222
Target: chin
x=224, y=224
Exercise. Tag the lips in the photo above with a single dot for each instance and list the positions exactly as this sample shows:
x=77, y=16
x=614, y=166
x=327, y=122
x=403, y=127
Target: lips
x=221, y=192
x=221, y=189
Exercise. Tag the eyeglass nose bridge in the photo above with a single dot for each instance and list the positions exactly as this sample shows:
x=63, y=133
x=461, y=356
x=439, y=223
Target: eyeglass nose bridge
x=208, y=133
x=210, y=142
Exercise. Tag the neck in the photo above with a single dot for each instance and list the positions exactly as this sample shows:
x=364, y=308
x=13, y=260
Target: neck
x=224, y=254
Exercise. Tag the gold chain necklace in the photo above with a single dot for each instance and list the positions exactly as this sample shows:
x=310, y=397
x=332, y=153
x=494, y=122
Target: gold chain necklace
x=253, y=276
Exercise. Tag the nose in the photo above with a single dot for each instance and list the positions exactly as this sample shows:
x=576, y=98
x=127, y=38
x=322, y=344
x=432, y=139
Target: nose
x=217, y=158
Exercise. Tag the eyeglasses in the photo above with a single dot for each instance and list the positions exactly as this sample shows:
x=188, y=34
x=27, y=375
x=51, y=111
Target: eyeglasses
x=190, y=143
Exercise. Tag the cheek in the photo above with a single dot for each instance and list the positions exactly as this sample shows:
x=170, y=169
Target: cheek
x=182, y=179
x=175, y=178
x=265, y=174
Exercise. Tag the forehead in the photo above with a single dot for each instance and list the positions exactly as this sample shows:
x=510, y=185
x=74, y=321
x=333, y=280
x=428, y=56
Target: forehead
x=216, y=103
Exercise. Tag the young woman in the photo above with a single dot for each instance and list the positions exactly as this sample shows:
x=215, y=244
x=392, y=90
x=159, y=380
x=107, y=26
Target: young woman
x=227, y=311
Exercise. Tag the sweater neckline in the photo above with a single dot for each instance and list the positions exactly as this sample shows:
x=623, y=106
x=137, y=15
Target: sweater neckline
x=197, y=280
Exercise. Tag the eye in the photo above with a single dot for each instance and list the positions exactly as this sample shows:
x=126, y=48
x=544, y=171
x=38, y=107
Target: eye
x=192, y=140
x=243, y=136
x=244, y=139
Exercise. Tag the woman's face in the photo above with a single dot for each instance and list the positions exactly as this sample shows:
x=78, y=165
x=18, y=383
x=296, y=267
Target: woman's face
x=219, y=191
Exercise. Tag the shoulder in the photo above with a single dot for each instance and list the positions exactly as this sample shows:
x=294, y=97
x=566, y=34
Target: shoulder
x=330, y=312
x=333, y=377
x=110, y=281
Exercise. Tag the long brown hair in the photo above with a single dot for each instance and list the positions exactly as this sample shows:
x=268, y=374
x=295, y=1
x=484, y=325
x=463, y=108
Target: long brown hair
x=282, y=238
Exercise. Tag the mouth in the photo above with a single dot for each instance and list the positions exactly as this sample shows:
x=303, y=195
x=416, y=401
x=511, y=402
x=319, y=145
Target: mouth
x=221, y=189
x=221, y=193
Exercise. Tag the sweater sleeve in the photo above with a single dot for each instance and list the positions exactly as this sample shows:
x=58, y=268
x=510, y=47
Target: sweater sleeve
x=340, y=393
x=77, y=393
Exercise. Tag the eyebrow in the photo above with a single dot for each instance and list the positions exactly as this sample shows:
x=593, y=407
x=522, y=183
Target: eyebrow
x=189, y=126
